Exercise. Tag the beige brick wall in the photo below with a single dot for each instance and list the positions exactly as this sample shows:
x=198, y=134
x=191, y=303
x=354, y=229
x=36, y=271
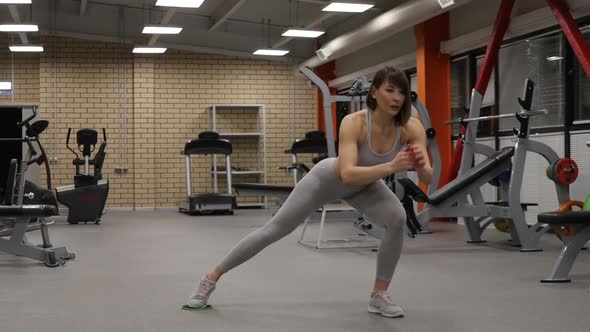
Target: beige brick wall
x=87, y=85
x=186, y=85
x=166, y=98
x=23, y=68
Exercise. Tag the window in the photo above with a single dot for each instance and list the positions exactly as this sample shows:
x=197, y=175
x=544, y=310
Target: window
x=488, y=103
x=459, y=90
x=583, y=83
x=540, y=59
x=414, y=87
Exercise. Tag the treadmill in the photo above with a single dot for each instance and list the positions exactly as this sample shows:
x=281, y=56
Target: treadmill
x=208, y=203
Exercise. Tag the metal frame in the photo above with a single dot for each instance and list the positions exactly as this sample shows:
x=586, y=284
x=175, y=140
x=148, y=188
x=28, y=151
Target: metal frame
x=19, y=245
x=359, y=241
x=328, y=99
x=573, y=244
x=262, y=144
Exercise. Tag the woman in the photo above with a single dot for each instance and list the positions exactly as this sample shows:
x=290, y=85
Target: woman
x=370, y=149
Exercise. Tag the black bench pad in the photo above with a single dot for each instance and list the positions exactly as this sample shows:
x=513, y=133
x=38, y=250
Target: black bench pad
x=471, y=176
x=264, y=187
x=28, y=210
x=564, y=218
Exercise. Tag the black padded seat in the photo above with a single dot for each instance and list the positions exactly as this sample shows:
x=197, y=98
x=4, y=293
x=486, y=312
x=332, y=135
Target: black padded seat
x=308, y=146
x=28, y=210
x=564, y=218
x=208, y=146
x=470, y=176
x=262, y=186
x=506, y=204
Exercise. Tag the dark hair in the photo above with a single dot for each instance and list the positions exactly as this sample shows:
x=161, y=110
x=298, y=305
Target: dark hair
x=396, y=78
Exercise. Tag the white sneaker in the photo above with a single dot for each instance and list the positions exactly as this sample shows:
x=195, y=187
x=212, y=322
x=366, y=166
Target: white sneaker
x=382, y=304
x=200, y=296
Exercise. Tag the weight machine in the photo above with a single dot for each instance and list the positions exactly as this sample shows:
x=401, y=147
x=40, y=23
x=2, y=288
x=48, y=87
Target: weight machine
x=26, y=207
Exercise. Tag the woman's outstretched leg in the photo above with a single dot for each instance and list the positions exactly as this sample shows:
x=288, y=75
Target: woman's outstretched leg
x=318, y=187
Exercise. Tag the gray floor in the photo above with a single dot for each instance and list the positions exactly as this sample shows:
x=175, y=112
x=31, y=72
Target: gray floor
x=135, y=269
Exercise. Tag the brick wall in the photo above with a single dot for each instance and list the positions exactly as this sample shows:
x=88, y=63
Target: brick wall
x=24, y=68
x=163, y=101
x=188, y=84
x=87, y=85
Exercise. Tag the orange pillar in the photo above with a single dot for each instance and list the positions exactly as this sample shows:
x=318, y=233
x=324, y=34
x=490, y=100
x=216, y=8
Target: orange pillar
x=434, y=82
x=326, y=72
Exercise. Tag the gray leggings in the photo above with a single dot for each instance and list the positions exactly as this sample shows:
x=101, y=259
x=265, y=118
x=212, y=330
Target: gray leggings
x=320, y=186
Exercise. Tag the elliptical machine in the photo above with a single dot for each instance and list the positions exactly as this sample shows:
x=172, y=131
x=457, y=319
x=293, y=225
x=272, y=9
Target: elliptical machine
x=86, y=198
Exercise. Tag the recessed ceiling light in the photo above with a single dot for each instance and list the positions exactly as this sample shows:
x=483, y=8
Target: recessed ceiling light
x=271, y=52
x=162, y=29
x=180, y=3
x=348, y=7
x=303, y=33
x=26, y=48
x=149, y=50
x=19, y=28
x=15, y=2
x=5, y=85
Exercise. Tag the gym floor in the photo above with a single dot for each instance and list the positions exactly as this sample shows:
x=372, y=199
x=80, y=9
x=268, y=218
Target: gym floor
x=134, y=271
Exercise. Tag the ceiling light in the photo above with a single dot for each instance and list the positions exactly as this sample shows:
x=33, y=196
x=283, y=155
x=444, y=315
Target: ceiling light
x=26, y=48
x=5, y=85
x=15, y=2
x=554, y=58
x=348, y=7
x=271, y=52
x=445, y=3
x=149, y=50
x=180, y=3
x=19, y=28
x=303, y=33
x=162, y=29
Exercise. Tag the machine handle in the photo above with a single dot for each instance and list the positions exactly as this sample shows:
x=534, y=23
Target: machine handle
x=27, y=120
x=31, y=147
x=68, y=144
x=529, y=89
x=104, y=134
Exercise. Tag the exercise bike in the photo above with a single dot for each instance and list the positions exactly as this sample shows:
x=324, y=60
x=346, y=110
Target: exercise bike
x=87, y=197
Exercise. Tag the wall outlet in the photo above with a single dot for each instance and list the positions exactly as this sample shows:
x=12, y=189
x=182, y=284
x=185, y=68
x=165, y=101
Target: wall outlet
x=121, y=170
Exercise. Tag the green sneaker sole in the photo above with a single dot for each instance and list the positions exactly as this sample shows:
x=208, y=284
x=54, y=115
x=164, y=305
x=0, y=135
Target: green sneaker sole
x=189, y=308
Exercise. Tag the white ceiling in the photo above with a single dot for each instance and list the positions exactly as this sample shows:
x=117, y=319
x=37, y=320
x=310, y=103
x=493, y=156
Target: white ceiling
x=241, y=33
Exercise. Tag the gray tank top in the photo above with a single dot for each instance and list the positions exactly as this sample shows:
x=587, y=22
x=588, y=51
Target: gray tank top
x=368, y=157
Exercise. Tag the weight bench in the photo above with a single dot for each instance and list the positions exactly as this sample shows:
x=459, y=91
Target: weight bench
x=18, y=244
x=457, y=186
x=573, y=243
x=452, y=200
x=281, y=192
x=485, y=169
x=259, y=189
